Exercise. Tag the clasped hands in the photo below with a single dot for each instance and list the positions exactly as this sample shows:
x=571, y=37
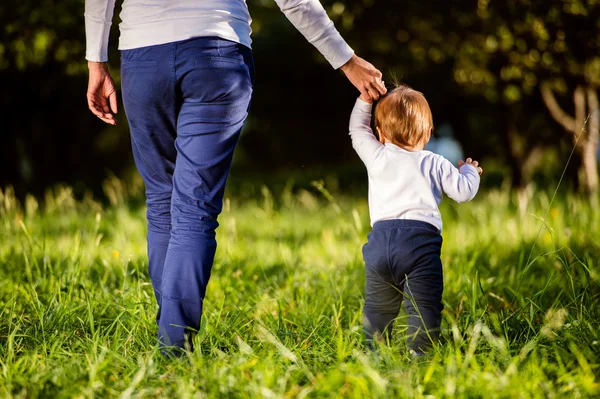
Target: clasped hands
x=365, y=77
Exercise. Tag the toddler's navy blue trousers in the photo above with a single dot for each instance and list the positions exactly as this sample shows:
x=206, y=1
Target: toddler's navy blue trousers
x=402, y=260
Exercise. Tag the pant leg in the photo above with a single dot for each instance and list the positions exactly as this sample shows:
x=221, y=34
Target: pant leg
x=215, y=81
x=423, y=289
x=148, y=91
x=383, y=297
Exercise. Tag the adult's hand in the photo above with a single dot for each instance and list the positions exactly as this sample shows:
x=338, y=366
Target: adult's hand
x=365, y=77
x=101, y=93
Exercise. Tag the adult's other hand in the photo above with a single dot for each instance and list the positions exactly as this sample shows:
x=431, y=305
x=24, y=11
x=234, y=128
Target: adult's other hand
x=365, y=77
x=101, y=93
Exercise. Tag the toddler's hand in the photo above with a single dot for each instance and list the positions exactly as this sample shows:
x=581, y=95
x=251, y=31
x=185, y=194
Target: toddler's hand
x=367, y=100
x=471, y=162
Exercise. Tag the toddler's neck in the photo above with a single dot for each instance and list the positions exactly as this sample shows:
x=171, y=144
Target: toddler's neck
x=415, y=148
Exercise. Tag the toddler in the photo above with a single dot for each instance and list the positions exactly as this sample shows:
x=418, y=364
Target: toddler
x=402, y=255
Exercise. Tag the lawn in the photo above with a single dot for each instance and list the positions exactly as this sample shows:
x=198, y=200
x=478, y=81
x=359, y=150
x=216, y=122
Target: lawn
x=284, y=306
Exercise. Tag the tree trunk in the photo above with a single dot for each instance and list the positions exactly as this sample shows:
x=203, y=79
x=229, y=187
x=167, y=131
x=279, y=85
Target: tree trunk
x=580, y=134
x=584, y=130
x=513, y=156
x=590, y=149
x=524, y=162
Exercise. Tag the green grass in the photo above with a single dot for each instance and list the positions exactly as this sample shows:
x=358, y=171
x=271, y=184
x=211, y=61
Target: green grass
x=284, y=306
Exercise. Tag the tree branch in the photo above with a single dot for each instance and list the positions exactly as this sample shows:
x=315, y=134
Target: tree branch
x=560, y=116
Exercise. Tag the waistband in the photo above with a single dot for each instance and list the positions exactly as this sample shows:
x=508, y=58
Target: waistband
x=404, y=224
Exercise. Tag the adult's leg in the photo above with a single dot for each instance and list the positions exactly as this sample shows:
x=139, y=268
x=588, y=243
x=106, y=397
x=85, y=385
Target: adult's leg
x=149, y=97
x=382, y=296
x=215, y=79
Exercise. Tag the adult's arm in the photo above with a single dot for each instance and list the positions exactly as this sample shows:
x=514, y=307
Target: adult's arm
x=101, y=94
x=310, y=18
x=364, y=142
x=98, y=19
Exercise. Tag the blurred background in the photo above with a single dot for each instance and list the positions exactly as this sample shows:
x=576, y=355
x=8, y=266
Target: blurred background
x=510, y=83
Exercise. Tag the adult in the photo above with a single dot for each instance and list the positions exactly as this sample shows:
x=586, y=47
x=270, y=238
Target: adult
x=187, y=78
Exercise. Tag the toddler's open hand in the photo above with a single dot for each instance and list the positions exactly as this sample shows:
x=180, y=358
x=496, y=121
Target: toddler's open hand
x=471, y=162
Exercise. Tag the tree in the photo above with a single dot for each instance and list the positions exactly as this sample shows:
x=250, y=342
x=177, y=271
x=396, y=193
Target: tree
x=522, y=47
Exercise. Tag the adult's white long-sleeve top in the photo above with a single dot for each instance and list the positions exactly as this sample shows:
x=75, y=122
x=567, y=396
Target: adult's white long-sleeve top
x=151, y=22
x=407, y=184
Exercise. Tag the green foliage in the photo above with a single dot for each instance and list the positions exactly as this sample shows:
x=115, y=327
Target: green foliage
x=498, y=49
x=36, y=33
x=515, y=45
x=283, y=311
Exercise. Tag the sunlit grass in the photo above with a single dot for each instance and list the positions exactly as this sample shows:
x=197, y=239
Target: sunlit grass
x=284, y=306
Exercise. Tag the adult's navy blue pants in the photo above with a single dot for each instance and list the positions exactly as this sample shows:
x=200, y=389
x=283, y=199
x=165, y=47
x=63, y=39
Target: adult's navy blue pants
x=402, y=260
x=186, y=103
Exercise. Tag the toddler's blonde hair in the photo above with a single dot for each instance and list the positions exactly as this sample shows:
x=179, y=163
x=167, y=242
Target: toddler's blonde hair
x=403, y=116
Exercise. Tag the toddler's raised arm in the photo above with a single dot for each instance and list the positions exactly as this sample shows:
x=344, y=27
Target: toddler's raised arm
x=459, y=184
x=364, y=141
